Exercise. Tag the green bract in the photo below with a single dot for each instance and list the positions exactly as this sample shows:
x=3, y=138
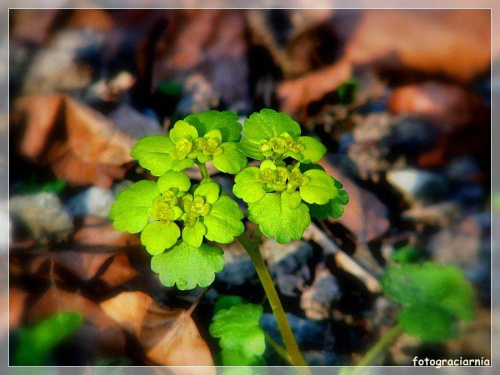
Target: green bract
x=208, y=136
x=275, y=135
x=278, y=197
x=187, y=266
x=158, y=208
x=153, y=207
x=211, y=216
x=433, y=297
x=239, y=330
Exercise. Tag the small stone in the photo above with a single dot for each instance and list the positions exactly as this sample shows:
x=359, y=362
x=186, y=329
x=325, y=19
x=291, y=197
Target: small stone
x=288, y=264
x=63, y=65
x=305, y=331
x=134, y=123
x=467, y=246
x=317, y=299
x=289, y=256
x=43, y=215
x=464, y=169
x=321, y=358
x=94, y=201
x=418, y=184
x=238, y=267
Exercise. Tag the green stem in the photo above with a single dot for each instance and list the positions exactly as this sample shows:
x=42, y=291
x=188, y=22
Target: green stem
x=278, y=349
x=291, y=346
x=203, y=170
x=375, y=350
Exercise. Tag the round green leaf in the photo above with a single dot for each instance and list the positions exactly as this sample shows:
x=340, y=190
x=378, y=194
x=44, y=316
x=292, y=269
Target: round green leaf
x=209, y=190
x=430, y=323
x=232, y=160
x=268, y=124
x=334, y=208
x=193, y=235
x=247, y=187
x=320, y=189
x=251, y=149
x=278, y=220
x=226, y=122
x=187, y=266
x=240, y=364
x=130, y=212
x=173, y=179
x=182, y=129
x=179, y=165
x=153, y=154
x=291, y=199
x=313, y=152
x=239, y=330
x=215, y=134
x=158, y=236
x=224, y=221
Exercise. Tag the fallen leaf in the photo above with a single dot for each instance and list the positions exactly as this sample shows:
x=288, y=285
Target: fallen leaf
x=296, y=94
x=41, y=113
x=318, y=51
x=448, y=107
x=96, y=252
x=210, y=42
x=83, y=148
x=99, y=233
x=365, y=215
x=113, y=269
x=169, y=337
x=17, y=298
x=97, y=19
x=452, y=42
x=32, y=25
x=100, y=333
x=461, y=117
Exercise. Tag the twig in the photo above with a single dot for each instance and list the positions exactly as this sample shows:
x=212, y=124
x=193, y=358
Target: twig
x=343, y=260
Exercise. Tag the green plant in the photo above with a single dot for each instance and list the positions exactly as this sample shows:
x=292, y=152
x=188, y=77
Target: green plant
x=176, y=217
x=283, y=189
x=34, y=345
x=434, y=299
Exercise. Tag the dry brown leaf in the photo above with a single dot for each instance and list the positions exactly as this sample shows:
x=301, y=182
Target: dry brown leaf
x=461, y=117
x=365, y=215
x=97, y=251
x=207, y=42
x=100, y=332
x=169, y=337
x=112, y=268
x=97, y=19
x=323, y=48
x=82, y=146
x=17, y=299
x=33, y=25
x=448, y=107
x=453, y=42
x=96, y=232
x=295, y=95
x=41, y=115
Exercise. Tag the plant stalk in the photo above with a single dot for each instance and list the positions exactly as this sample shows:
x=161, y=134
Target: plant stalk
x=291, y=346
x=203, y=170
x=376, y=349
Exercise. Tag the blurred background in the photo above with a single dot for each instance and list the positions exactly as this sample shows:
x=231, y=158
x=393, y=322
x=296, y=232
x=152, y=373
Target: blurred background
x=401, y=98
